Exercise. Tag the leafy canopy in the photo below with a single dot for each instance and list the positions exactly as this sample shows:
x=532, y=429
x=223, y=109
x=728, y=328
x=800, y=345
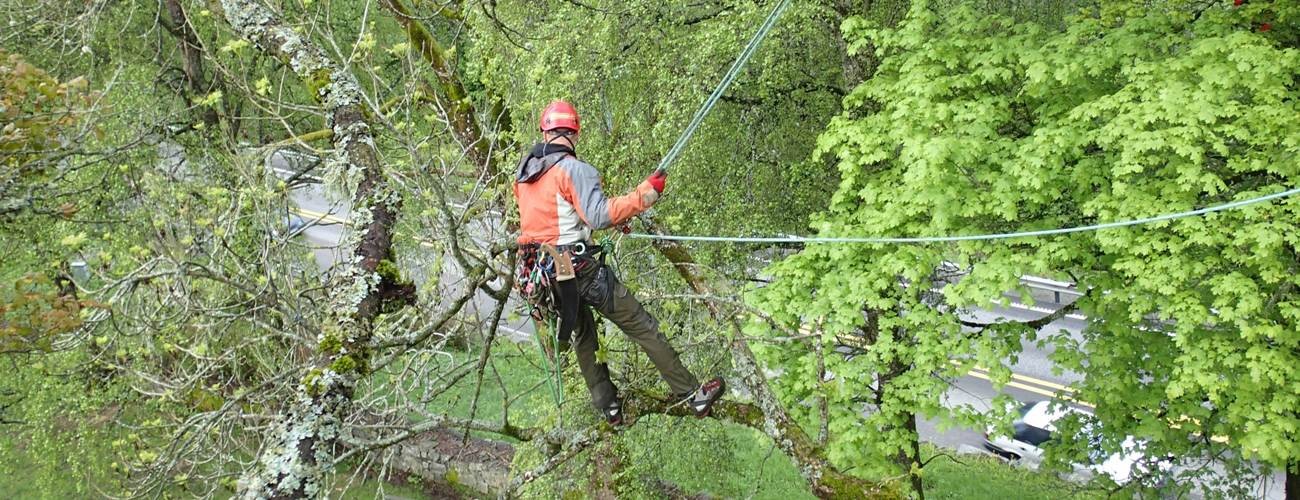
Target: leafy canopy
x=978, y=124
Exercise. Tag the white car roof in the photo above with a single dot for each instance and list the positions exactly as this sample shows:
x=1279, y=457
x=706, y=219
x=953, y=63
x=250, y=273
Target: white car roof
x=1119, y=466
x=1042, y=415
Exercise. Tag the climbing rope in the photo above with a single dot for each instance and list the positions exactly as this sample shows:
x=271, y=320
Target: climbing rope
x=553, y=359
x=557, y=366
x=546, y=325
x=722, y=86
x=974, y=237
x=731, y=76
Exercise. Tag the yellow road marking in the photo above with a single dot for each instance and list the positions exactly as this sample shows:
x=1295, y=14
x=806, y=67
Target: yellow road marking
x=1026, y=379
x=318, y=215
x=1065, y=394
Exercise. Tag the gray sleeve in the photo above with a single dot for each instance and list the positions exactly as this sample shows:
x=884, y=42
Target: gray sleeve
x=588, y=199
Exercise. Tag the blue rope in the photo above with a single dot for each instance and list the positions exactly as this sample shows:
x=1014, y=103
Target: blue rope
x=730, y=76
x=974, y=237
x=722, y=86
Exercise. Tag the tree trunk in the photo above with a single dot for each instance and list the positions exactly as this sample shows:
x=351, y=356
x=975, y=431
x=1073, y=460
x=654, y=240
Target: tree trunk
x=299, y=454
x=861, y=66
x=1293, y=481
x=450, y=94
x=191, y=58
x=911, y=463
x=908, y=460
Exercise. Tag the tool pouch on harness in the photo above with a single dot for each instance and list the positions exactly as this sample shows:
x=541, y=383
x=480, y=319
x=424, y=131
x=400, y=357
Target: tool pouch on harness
x=599, y=287
x=547, y=281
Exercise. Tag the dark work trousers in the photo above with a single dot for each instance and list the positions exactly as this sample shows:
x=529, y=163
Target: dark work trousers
x=601, y=290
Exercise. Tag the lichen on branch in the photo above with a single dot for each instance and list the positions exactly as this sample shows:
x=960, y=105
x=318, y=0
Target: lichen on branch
x=295, y=460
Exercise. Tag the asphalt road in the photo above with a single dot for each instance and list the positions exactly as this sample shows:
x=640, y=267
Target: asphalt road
x=1034, y=377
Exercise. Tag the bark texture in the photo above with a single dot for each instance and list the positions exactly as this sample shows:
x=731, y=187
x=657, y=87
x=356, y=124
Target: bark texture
x=441, y=455
x=179, y=25
x=298, y=455
x=1293, y=481
x=861, y=65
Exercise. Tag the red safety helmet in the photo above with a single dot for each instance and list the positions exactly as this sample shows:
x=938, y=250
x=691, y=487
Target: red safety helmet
x=559, y=114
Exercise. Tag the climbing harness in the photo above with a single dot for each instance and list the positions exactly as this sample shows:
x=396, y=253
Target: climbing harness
x=546, y=279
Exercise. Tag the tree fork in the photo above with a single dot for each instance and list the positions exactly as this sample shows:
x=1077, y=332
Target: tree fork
x=451, y=96
x=826, y=481
x=569, y=443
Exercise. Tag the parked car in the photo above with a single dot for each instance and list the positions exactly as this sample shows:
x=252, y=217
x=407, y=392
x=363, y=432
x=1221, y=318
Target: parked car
x=293, y=224
x=1029, y=432
x=1036, y=426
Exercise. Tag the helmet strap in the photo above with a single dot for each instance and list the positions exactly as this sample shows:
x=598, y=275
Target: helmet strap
x=558, y=133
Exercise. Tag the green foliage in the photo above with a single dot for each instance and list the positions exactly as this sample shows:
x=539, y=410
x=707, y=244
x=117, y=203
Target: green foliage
x=35, y=110
x=69, y=434
x=975, y=123
x=1198, y=120
x=58, y=435
x=39, y=113
x=978, y=124
x=739, y=461
x=969, y=477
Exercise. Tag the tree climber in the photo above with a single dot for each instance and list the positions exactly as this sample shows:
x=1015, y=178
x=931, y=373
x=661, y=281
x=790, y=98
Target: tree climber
x=560, y=204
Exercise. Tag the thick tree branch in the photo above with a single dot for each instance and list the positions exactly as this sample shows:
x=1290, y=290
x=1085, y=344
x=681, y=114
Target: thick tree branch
x=451, y=95
x=296, y=460
x=191, y=57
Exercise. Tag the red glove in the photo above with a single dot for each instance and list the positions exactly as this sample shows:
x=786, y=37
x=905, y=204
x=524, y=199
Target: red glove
x=657, y=180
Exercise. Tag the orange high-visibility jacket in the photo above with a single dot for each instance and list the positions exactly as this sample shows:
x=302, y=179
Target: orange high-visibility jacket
x=561, y=202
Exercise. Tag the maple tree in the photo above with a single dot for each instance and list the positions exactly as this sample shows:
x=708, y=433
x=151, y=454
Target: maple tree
x=980, y=124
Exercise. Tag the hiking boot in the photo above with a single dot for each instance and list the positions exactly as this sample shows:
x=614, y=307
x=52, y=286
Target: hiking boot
x=614, y=413
x=701, y=401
